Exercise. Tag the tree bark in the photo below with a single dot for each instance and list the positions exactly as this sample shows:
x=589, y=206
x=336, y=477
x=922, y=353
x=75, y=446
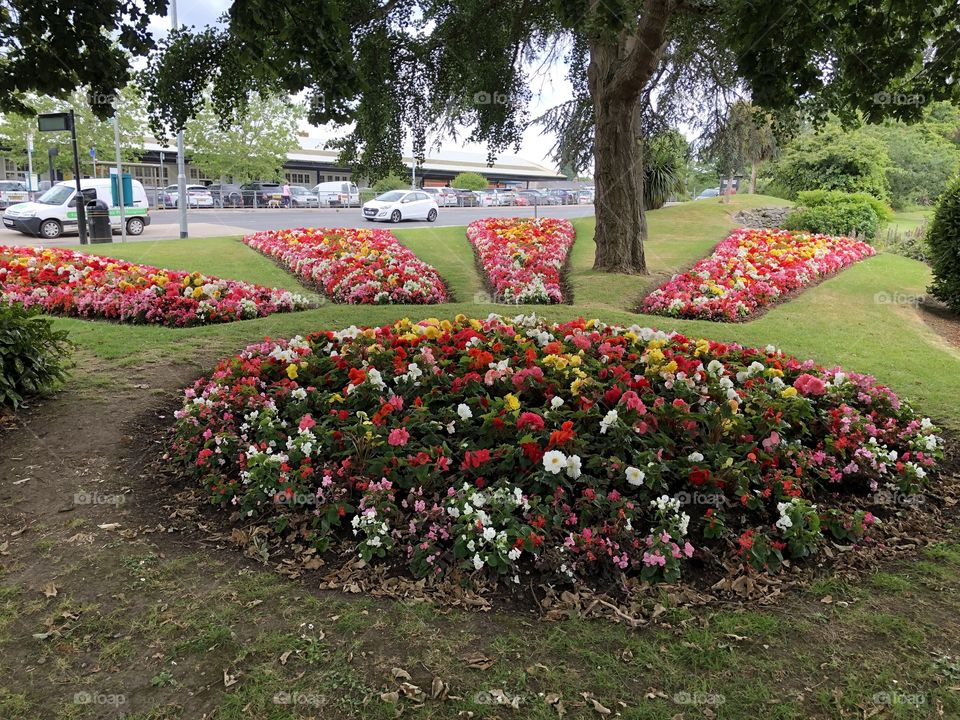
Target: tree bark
x=619, y=70
x=753, y=176
x=729, y=191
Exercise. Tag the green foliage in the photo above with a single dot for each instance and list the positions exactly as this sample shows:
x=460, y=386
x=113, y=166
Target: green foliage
x=470, y=181
x=944, y=242
x=92, y=132
x=32, y=355
x=834, y=160
x=837, y=213
x=252, y=145
x=390, y=182
x=910, y=243
x=664, y=167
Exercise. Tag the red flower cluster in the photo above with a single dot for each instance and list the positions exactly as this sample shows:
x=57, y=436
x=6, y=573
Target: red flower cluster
x=67, y=282
x=750, y=270
x=354, y=266
x=523, y=257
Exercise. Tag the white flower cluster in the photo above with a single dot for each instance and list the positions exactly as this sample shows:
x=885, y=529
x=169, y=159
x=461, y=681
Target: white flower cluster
x=608, y=420
x=372, y=527
x=554, y=461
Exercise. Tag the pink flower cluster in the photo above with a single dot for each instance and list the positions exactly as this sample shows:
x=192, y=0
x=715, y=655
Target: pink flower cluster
x=751, y=270
x=354, y=266
x=67, y=282
x=523, y=257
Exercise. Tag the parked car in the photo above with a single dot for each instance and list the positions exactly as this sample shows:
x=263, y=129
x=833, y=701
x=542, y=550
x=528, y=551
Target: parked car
x=261, y=194
x=226, y=195
x=535, y=197
x=12, y=192
x=444, y=197
x=338, y=193
x=565, y=196
x=497, y=197
x=466, y=198
x=55, y=212
x=397, y=205
x=301, y=197
x=585, y=197
x=198, y=196
x=168, y=196
x=709, y=193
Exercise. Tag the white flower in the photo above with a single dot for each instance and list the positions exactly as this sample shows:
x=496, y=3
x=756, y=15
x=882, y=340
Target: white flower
x=695, y=457
x=635, y=476
x=477, y=562
x=556, y=401
x=464, y=411
x=554, y=461
x=609, y=419
x=784, y=522
x=514, y=554
x=489, y=534
x=573, y=466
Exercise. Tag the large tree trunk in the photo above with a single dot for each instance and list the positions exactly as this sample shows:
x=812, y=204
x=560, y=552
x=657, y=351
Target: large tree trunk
x=753, y=176
x=619, y=70
x=618, y=172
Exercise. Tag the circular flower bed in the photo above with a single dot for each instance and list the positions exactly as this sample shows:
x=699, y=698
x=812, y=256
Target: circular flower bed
x=577, y=450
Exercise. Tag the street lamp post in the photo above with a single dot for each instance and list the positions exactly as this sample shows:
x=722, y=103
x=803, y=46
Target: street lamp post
x=181, y=174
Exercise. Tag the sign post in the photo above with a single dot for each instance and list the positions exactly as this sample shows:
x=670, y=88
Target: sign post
x=61, y=122
x=93, y=156
x=30, y=166
x=122, y=201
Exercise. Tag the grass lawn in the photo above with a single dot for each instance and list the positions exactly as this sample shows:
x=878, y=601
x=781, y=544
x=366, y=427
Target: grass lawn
x=182, y=623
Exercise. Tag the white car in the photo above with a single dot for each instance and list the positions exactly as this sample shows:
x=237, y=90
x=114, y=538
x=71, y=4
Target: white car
x=398, y=205
x=443, y=196
x=198, y=196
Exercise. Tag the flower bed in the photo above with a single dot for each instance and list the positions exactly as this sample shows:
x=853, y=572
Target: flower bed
x=575, y=450
x=66, y=282
x=522, y=258
x=354, y=266
x=751, y=270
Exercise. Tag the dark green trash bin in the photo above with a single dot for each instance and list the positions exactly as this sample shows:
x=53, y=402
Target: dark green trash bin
x=98, y=222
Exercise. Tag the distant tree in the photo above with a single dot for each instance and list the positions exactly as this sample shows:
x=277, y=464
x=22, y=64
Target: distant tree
x=390, y=182
x=834, y=160
x=250, y=146
x=92, y=132
x=470, y=181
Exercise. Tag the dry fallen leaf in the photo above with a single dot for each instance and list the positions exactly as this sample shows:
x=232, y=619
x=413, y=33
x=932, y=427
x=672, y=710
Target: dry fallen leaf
x=109, y=526
x=438, y=689
x=229, y=679
x=826, y=599
x=50, y=590
x=285, y=657
x=392, y=697
x=596, y=704
x=556, y=702
x=478, y=661
x=400, y=674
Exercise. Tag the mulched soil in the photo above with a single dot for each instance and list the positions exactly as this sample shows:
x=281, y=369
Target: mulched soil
x=941, y=320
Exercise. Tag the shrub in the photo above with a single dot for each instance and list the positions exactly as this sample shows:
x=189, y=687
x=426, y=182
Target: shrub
x=832, y=212
x=577, y=450
x=390, y=182
x=834, y=160
x=470, y=181
x=944, y=243
x=909, y=243
x=32, y=355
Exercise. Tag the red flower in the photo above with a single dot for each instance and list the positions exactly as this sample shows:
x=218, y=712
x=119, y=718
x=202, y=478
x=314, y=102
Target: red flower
x=809, y=385
x=531, y=420
x=699, y=476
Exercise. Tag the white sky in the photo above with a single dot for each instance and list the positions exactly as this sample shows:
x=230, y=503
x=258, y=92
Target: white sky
x=547, y=91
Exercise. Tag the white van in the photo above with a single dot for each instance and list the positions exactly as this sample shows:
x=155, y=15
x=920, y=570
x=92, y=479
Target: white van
x=55, y=212
x=344, y=194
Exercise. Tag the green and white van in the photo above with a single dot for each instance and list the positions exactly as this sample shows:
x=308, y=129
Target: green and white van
x=55, y=212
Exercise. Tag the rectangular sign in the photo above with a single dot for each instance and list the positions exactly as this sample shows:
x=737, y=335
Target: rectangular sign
x=53, y=122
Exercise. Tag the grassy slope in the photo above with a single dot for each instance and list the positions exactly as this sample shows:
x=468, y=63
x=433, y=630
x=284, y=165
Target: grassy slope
x=839, y=322
x=186, y=618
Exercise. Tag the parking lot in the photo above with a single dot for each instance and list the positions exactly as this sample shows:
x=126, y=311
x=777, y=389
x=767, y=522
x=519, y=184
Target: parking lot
x=214, y=223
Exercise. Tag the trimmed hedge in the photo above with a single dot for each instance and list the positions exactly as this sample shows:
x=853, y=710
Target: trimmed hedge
x=832, y=212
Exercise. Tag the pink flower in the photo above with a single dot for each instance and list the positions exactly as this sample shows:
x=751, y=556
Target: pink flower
x=771, y=442
x=398, y=437
x=810, y=385
x=307, y=422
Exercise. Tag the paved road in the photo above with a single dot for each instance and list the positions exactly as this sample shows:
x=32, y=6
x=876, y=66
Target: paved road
x=214, y=223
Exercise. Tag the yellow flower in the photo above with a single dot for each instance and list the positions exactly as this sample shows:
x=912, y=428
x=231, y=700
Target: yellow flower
x=788, y=392
x=292, y=371
x=774, y=372
x=575, y=360
x=198, y=292
x=670, y=367
x=511, y=402
x=335, y=398
x=734, y=406
x=576, y=385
